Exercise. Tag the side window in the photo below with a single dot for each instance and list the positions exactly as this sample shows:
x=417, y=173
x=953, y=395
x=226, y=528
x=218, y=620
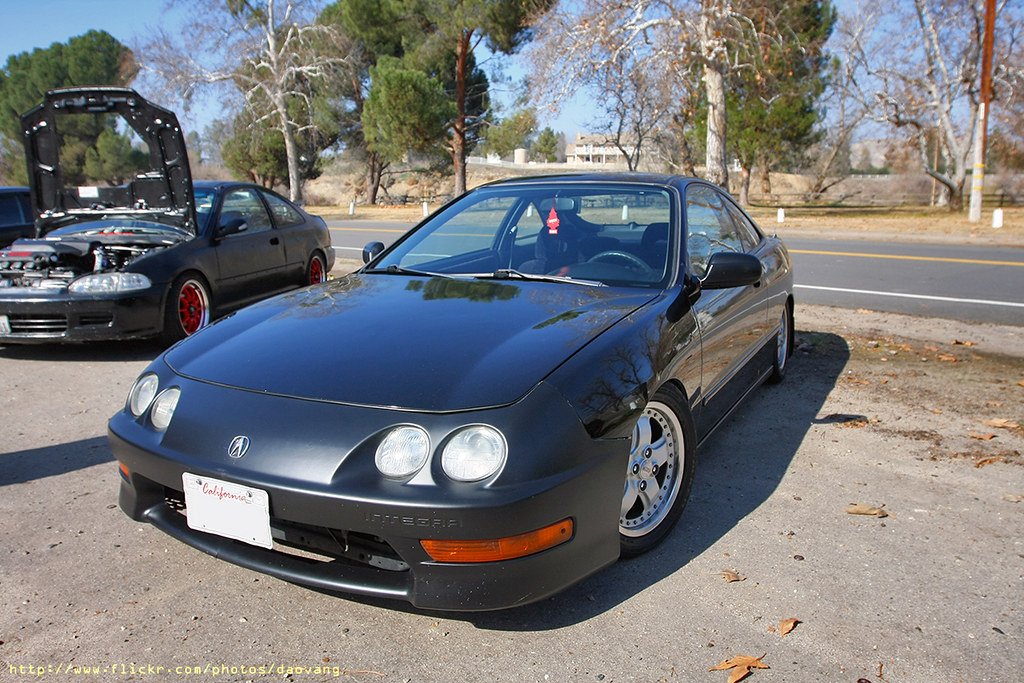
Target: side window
x=285, y=215
x=749, y=236
x=10, y=210
x=529, y=225
x=246, y=203
x=709, y=227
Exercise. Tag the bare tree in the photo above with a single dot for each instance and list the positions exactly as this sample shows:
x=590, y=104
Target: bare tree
x=578, y=43
x=844, y=98
x=927, y=69
x=271, y=50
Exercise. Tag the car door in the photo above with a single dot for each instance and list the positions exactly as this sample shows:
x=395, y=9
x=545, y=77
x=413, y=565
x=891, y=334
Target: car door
x=296, y=235
x=732, y=321
x=252, y=262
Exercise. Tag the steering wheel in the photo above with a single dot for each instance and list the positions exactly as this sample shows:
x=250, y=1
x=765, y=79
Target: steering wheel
x=631, y=259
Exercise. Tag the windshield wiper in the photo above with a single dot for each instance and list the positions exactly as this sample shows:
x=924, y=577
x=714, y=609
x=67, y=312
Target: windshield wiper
x=513, y=274
x=394, y=269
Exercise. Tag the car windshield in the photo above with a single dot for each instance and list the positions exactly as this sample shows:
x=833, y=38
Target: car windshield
x=204, y=204
x=603, y=233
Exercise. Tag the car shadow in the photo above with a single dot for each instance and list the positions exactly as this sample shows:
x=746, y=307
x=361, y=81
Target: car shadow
x=106, y=351
x=37, y=463
x=740, y=467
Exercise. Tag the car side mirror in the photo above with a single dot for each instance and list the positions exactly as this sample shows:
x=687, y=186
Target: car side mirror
x=372, y=250
x=232, y=224
x=730, y=269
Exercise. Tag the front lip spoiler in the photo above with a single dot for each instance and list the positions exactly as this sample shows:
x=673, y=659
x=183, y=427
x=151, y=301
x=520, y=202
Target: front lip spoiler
x=313, y=573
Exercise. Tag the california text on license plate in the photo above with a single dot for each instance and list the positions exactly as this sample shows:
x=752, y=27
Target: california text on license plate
x=227, y=509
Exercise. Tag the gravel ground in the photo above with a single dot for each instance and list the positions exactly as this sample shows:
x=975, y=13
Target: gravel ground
x=915, y=418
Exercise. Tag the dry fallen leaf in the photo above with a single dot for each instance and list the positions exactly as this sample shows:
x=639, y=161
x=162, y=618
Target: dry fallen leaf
x=931, y=348
x=865, y=509
x=731, y=575
x=787, y=625
x=987, y=461
x=948, y=358
x=1020, y=383
x=957, y=342
x=981, y=437
x=1001, y=423
x=741, y=666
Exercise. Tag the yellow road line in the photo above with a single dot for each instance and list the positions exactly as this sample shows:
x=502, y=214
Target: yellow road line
x=941, y=259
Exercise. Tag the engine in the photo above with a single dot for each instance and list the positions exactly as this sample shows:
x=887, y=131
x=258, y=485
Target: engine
x=55, y=263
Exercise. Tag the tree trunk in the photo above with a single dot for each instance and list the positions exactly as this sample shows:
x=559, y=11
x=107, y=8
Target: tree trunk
x=459, y=127
x=685, y=154
x=765, y=176
x=716, y=170
x=290, y=149
x=375, y=166
x=744, y=186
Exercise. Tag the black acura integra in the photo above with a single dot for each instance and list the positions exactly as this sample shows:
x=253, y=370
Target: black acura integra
x=156, y=255
x=507, y=399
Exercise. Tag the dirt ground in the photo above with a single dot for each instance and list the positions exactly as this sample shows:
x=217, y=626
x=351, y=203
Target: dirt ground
x=947, y=390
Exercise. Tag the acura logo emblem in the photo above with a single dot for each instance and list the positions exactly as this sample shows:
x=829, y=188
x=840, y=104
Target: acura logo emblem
x=238, y=447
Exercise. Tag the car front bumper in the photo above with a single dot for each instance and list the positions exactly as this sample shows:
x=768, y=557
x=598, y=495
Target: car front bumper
x=365, y=531
x=39, y=316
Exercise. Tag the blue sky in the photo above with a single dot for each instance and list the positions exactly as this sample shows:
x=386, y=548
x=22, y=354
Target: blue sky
x=40, y=23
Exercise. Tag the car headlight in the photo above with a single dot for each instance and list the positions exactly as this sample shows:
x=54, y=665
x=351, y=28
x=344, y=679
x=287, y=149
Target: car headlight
x=163, y=408
x=109, y=283
x=474, y=453
x=142, y=394
x=403, y=452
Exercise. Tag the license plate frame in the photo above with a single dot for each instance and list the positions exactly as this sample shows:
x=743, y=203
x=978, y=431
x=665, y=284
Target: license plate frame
x=227, y=509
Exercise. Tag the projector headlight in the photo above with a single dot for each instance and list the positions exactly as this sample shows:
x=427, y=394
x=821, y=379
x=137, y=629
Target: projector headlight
x=163, y=408
x=142, y=394
x=403, y=452
x=474, y=453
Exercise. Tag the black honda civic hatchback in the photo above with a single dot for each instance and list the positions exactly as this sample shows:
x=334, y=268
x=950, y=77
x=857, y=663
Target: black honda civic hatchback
x=505, y=400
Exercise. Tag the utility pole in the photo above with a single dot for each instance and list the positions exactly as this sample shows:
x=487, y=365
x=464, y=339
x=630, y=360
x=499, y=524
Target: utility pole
x=978, y=183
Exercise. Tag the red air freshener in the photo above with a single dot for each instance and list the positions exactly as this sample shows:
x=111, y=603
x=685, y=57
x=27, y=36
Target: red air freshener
x=553, y=222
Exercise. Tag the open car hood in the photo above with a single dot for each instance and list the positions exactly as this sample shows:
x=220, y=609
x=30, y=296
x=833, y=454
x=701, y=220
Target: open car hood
x=163, y=192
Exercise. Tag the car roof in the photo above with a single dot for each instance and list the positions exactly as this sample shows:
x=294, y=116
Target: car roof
x=600, y=176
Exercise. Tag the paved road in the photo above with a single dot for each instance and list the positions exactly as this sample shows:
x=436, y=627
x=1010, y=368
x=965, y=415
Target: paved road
x=975, y=284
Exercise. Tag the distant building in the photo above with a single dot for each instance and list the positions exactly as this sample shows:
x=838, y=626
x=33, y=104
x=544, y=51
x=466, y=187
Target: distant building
x=596, y=150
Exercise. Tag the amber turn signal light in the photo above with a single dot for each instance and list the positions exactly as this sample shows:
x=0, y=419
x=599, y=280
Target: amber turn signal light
x=495, y=549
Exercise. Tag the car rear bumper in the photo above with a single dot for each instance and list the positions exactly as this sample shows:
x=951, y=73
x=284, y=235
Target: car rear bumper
x=60, y=317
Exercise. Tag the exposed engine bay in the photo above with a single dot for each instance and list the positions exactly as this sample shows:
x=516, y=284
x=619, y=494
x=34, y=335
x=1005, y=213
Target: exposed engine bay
x=54, y=261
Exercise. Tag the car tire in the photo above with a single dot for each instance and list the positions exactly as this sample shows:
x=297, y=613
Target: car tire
x=316, y=270
x=188, y=307
x=659, y=474
x=783, y=347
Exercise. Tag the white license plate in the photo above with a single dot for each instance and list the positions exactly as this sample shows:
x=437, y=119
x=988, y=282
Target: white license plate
x=5, y=325
x=226, y=509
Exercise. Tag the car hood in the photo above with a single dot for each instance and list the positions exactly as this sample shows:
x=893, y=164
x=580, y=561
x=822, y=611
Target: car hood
x=413, y=343
x=162, y=192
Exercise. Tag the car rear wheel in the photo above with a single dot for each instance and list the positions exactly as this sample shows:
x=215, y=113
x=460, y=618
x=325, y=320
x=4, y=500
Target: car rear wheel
x=659, y=474
x=316, y=271
x=783, y=347
x=188, y=307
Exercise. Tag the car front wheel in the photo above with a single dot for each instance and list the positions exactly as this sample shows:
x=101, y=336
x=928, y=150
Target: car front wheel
x=188, y=307
x=659, y=474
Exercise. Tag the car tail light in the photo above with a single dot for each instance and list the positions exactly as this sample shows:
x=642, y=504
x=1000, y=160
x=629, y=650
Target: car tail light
x=496, y=549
